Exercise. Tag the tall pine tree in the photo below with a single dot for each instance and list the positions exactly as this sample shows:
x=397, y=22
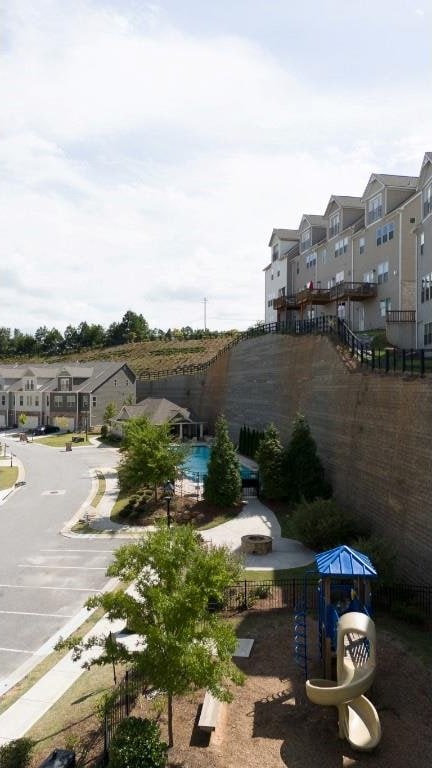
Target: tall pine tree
x=302, y=468
x=222, y=486
x=269, y=457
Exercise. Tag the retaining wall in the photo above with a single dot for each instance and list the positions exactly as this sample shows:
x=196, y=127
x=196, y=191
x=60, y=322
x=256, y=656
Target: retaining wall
x=373, y=430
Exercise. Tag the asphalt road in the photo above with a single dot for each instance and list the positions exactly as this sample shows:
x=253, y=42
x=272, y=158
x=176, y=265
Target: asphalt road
x=45, y=577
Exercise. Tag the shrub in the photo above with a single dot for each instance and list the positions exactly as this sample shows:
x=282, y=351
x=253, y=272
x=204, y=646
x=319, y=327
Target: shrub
x=104, y=432
x=222, y=485
x=322, y=525
x=301, y=465
x=16, y=754
x=381, y=554
x=136, y=744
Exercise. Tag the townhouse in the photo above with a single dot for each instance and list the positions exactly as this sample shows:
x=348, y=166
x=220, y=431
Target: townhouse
x=367, y=260
x=72, y=396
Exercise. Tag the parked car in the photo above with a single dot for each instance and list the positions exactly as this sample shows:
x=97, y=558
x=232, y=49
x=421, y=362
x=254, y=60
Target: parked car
x=48, y=429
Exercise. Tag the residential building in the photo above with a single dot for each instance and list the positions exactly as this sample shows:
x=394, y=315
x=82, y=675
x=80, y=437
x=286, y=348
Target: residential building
x=367, y=260
x=71, y=396
x=159, y=410
x=276, y=273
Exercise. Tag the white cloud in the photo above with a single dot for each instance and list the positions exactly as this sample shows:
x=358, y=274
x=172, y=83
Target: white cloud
x=144, y=168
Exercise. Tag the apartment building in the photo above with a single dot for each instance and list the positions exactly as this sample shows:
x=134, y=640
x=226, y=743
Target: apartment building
x=367, y=260
x=277, y=279
x=70, y=396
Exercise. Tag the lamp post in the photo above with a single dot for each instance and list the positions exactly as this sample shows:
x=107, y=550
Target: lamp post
x=11, y=459
x=86, y=424
x=169, y=493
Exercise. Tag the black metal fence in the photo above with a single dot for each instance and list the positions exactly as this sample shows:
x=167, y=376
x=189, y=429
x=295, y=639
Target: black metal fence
x=126, y=694
x=383, y=360
x=289, y=593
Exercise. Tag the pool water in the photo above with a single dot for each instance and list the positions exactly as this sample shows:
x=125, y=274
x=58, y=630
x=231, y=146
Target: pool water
x=197, y=462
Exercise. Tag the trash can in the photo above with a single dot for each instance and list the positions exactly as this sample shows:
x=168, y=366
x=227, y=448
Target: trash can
x=68, y=446
x=60, y=758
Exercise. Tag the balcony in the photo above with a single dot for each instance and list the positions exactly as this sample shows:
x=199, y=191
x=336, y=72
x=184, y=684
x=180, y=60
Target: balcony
x=401, y=316
x=353, y=291
x=286, y=302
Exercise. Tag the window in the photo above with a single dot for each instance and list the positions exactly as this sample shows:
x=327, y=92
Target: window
x=311, y=260
x=29, y=400
x=385, y=306
x=71, y=400
x=383, y=272
x=427, y=333
x=297, y=267
x=324, y=256
x=29, y=384
x=21, y=400
x=335, y=224
x=275, y=252
x=58, y=401
x=369, y=277
x=361, y=245
x=385, y=233
x=272, y=276
x=340, y=276
x=277, y=275
x=341, y=246
x=426, y=288
x=331, y=282
x=85, y=401
x=421, y=242
x=37, y=400
x=47, y=399
x=306, y=239
x=375, y=209
x=3, y=400
x=64, y=385
x=427, y=200
x=94, y=401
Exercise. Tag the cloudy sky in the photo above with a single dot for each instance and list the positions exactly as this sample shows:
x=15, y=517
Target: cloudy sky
x=148, y=149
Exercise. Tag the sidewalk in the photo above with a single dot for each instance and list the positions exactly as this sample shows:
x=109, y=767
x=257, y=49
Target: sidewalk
x=255, y=518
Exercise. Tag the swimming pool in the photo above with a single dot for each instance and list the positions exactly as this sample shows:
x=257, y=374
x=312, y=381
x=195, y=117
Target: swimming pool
x=197, y=461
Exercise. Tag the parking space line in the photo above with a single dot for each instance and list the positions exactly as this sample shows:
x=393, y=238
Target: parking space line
x=33, y=613
x=103, y=551
x=64, y=567
x=59, y=589
x=16, y=650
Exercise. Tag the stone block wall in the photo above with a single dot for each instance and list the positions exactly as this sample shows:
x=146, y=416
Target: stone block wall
x=373, y=430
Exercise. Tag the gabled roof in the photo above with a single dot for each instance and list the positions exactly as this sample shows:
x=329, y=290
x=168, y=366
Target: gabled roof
x=427, y=160
x=314, y=220
x=94, y=375
x=158, y=410
x=393, y=181
x=344, y=561
x=343, y=201
x=284, y=234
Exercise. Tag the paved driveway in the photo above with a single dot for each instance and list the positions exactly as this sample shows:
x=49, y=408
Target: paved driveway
x=45, y=578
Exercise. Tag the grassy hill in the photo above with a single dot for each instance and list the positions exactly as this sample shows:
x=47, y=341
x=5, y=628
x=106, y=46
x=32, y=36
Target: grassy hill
x=144, y=357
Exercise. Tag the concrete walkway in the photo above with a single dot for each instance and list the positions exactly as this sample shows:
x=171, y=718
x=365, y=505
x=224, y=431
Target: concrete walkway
x=255, y=518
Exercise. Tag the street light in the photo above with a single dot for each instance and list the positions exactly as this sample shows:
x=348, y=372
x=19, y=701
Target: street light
x=169, y=493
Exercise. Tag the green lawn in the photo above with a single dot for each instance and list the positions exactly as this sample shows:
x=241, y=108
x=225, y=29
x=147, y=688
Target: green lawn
x=60, y=440
x=8, y=477
x=275, y=574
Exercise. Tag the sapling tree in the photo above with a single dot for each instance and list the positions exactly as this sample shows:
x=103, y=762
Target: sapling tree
x=150, y=456
x=185, y=646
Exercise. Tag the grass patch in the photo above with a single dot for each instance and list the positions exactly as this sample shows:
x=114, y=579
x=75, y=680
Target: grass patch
x=223, y=517
x=100, y=491
x=122, y=501
x=8, y=477
x=275, y=574
x=60, y=440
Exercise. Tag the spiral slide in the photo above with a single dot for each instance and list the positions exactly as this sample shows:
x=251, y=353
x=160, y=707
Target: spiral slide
x=356, y=660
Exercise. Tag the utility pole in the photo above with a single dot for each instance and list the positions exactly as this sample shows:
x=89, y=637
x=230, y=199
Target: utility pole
x=204, y=301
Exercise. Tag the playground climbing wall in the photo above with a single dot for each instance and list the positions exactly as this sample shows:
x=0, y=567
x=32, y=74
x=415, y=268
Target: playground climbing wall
x=373, y=431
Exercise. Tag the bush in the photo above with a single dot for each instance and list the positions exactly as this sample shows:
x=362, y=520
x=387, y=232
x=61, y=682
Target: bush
x=322, y=525
x=381, y=555
x=104, y=432
x=16, y=754
x=136, y=744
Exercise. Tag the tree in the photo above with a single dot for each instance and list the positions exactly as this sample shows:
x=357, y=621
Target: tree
x=222, y=486
x=109, y=413
x=150, y=456
x=269, y=457
x=186, y=647
x=302, y=468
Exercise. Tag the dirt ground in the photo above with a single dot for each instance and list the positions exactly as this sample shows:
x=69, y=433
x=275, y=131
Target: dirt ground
x=271, y=724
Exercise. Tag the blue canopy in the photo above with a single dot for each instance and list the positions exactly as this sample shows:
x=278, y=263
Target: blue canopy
x=344, y=561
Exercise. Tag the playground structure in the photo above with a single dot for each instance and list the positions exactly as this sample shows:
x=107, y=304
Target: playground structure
x=346, y=635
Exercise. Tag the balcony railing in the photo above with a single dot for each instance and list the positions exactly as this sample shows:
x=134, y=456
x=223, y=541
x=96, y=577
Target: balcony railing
x=401, y=316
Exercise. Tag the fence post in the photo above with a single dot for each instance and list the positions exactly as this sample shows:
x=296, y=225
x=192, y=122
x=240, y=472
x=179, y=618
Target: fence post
x=106, y=742
x=422, y=362
x=127, y=692
x=387, y=360
x=403, y=361
x=245, y=595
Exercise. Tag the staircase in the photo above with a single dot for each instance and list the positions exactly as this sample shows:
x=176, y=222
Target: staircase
x=300, y=637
